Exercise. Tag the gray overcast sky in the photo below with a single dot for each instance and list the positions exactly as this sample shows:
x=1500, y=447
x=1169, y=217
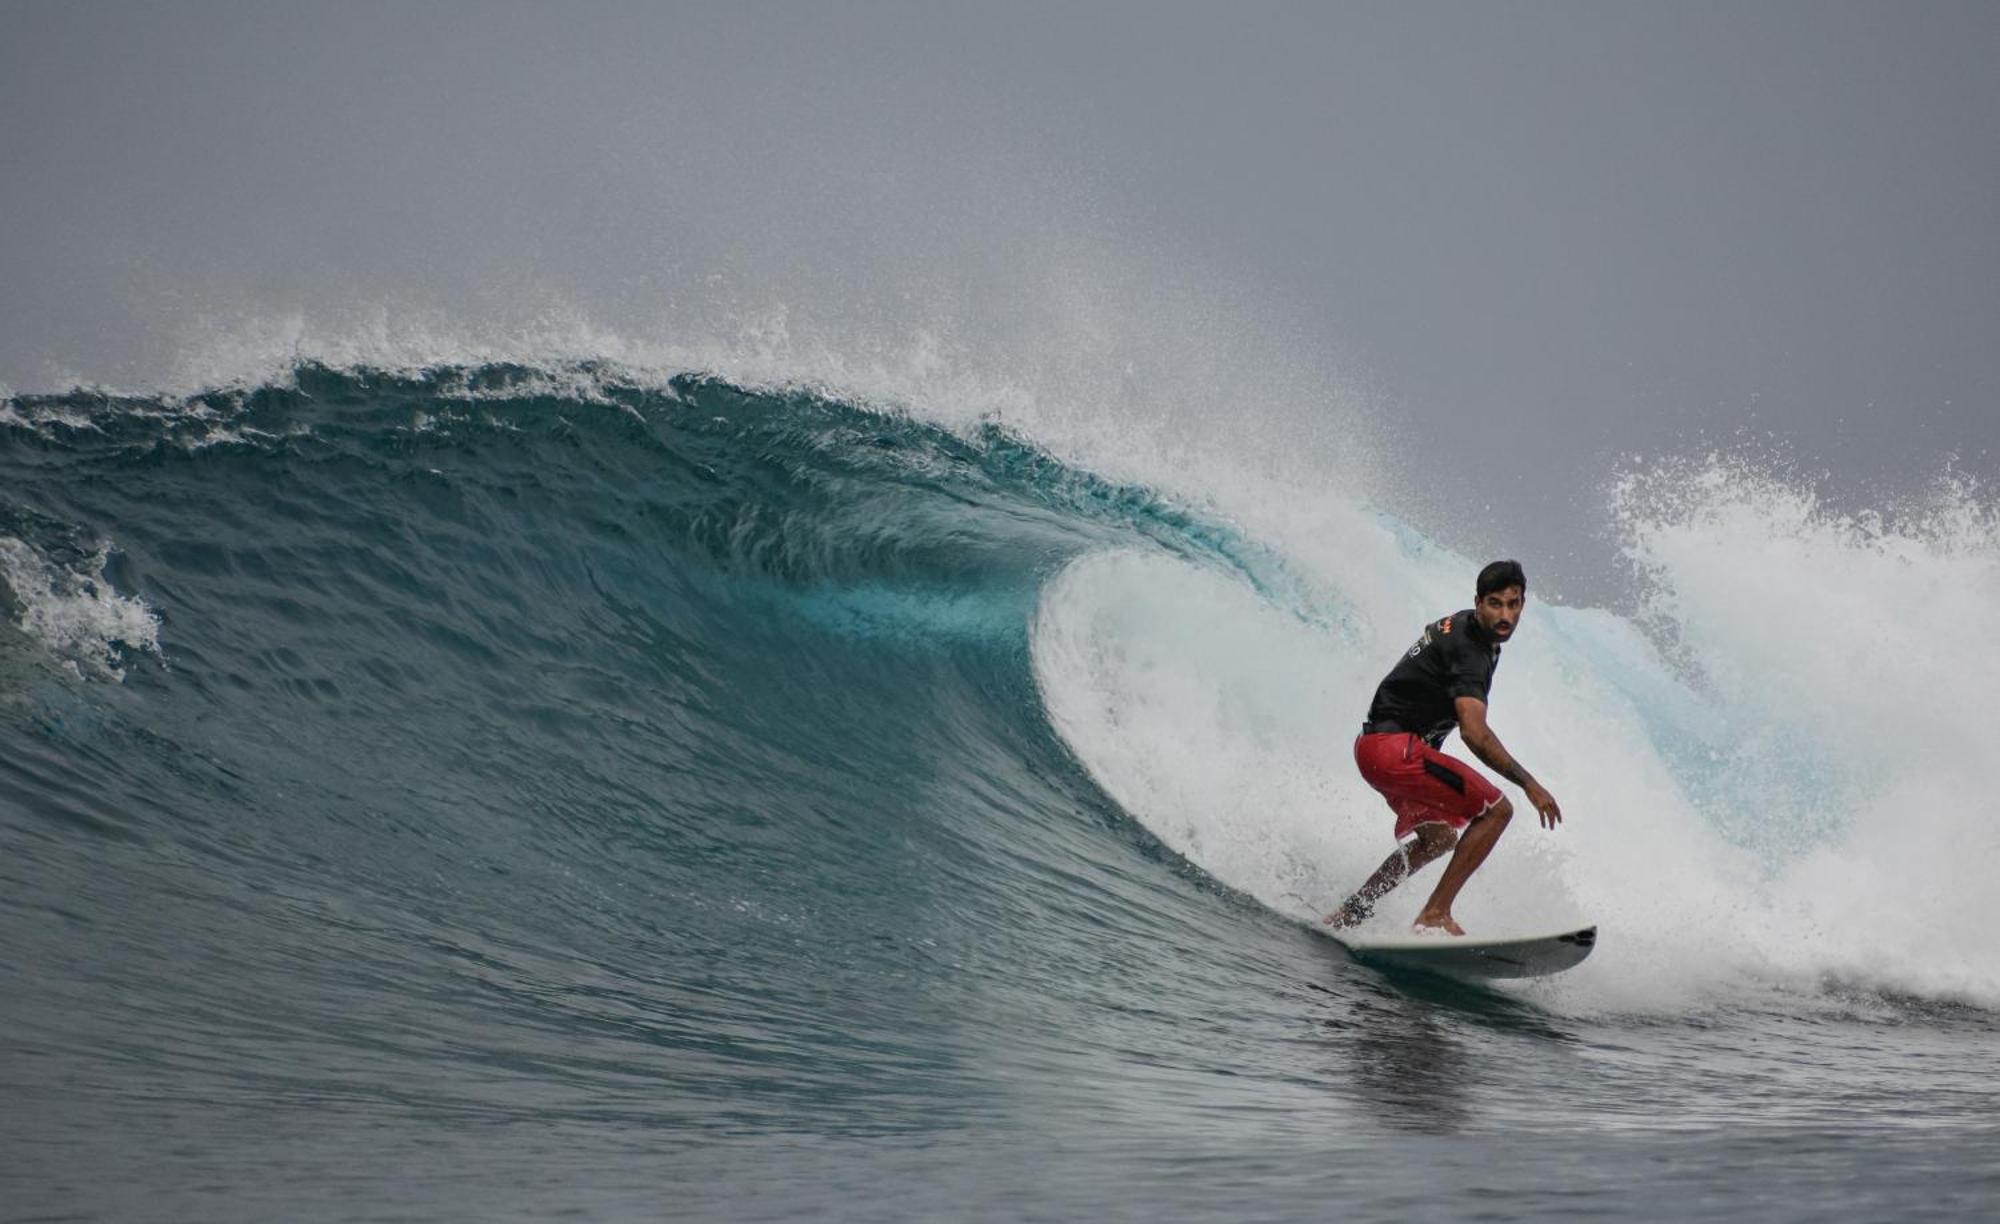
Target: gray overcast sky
x=1546, y=234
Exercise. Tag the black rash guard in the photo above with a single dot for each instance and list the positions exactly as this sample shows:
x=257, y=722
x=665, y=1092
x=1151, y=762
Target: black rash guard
x=1455, y=658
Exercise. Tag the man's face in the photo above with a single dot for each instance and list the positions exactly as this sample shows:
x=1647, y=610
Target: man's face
x=1499, y=611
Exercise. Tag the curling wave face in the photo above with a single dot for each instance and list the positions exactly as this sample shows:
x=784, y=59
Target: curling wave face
x=562, y=711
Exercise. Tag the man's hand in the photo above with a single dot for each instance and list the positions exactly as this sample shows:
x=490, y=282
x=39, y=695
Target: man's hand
x=1479, y=737
x=1545, y=803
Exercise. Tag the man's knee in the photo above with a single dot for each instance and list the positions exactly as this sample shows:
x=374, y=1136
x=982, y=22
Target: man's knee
x=1435, y=838
x=1500, y=813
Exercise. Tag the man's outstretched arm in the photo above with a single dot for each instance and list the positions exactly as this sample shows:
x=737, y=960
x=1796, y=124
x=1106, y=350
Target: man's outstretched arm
x=1487, y=747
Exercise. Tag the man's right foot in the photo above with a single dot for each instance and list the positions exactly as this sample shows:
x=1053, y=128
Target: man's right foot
x=1437, y=924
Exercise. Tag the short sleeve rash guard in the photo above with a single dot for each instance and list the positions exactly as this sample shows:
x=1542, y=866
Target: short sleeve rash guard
x=1454, y=658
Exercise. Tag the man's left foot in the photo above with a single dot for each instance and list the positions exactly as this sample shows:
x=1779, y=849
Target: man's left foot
x=1353, y=913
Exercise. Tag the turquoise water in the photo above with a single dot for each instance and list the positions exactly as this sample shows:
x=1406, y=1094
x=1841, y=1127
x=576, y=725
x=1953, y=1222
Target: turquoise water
x=483, y=794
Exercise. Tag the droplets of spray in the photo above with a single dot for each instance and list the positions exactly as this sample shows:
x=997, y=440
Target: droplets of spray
x=73, y=612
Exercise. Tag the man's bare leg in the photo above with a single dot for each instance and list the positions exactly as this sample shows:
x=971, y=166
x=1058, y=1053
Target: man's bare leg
x=1431, y=841
x=1473, y=848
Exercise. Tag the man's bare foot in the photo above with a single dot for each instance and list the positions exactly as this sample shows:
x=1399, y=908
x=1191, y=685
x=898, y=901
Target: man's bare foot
x=1428, y=923
x=1351, y=913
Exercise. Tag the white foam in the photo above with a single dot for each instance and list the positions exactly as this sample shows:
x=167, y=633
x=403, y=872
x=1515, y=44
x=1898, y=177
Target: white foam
x=1847, y=653
x=74, y=614
x=1814, y=809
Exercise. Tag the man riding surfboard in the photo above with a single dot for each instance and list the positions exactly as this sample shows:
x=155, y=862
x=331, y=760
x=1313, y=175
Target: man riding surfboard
x=1440, y=802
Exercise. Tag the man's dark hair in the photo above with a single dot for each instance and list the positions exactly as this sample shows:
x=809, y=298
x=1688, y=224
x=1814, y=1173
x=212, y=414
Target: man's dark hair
x=1499, y=576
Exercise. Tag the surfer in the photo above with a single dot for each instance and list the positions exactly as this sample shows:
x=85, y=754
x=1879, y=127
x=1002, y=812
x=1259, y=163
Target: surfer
x=1440, y=802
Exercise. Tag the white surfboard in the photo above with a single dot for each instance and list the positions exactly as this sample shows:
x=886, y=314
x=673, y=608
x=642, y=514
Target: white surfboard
x=1465, y=956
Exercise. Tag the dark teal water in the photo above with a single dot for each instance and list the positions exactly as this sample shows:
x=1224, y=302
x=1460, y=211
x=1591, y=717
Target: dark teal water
x=468, y=796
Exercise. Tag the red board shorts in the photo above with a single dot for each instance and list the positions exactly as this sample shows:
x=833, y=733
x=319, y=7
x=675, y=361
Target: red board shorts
x=1422, y=785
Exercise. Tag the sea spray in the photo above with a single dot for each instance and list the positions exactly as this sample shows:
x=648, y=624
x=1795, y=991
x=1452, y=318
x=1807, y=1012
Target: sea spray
x=1843, y=655
x=72, y=611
